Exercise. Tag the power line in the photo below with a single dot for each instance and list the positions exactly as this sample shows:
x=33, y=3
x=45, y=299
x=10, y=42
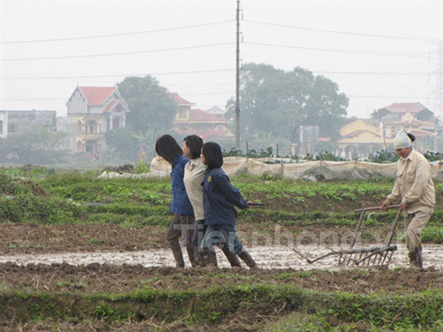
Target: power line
x=122, y=53
x=344, y=32
x=114, y=35
x=371, y=73
x=414, y=55
x=52, y=98
x=119, y=75
x=215, y=71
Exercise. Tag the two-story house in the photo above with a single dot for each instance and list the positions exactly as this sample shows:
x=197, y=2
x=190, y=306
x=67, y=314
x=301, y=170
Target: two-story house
x=363, y=137
x=92, y=111
x=209, y=126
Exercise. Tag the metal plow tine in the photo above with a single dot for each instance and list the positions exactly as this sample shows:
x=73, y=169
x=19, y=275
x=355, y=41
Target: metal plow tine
x=349, y=259
x=377, y=256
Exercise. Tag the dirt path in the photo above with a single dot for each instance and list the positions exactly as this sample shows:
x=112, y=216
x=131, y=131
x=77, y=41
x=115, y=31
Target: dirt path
x=267, y=257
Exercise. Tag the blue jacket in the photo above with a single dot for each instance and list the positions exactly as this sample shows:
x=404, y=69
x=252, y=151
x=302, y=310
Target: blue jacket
x=180, y=203
x=220, y=197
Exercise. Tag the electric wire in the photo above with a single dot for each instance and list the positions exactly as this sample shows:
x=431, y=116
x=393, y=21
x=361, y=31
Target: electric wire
x=114, y=35
x=345, y=32
x=121, y=53
x=119, y=75
x=414, y=55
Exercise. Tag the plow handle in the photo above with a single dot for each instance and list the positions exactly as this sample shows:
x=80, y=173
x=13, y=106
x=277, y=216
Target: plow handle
x=376, y=208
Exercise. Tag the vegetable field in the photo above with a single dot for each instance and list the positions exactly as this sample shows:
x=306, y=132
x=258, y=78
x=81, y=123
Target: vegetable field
x=46, y=213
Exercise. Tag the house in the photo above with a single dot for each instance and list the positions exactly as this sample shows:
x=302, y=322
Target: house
x=209, y=126
x=216, y=110
x=397, y=111
x=3, y=124
x=415, y=118
x=92, y=111
x=17, y=122
x=361, y=138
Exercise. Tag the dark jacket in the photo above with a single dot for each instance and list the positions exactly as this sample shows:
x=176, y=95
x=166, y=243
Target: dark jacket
x=220, y=197
x=180, y=203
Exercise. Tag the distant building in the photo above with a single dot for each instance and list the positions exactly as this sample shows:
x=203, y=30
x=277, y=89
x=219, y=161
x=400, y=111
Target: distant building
x=397, y=111
x=190, y=121
x=92, y=111
x=361, y=138
x=3, y=124
x=216, y=110
x=17, y=122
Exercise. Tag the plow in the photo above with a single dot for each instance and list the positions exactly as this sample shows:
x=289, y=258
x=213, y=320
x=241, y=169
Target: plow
x=366, y=256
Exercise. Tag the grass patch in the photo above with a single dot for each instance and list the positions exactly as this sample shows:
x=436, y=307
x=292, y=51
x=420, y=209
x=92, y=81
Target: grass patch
x=423, y=310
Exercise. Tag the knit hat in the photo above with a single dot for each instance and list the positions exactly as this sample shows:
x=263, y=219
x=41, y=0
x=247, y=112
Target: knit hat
x=402, y=140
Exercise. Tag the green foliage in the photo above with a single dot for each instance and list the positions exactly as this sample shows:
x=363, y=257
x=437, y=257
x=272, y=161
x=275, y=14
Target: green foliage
x=433, y=156
x=103, y=311
x=35, y=145
x=150, y=106
x=121, y=144
x=142, y=167
x=276, y=102
x=384, y=157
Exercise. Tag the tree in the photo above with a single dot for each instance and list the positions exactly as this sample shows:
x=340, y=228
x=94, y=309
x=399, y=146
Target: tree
x=277, y=102
x=121, y=144
x=36, y=145
x=150, y=107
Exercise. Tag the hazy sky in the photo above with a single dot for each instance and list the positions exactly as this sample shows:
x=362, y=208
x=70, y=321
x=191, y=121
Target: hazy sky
x=378, y=52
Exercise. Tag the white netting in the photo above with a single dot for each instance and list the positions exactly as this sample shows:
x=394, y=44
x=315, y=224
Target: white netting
x=329, y=170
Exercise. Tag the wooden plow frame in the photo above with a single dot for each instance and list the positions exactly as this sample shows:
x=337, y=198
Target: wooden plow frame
x=372, y=256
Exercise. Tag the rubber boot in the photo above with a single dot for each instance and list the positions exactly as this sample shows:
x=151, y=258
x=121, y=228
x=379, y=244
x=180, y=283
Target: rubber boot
x=246, y=257
x=193, y=255
x=212, y=258
x=413, y=260
x=208, y=257
x=177, y=252
x=418, y=257
x=232, y=258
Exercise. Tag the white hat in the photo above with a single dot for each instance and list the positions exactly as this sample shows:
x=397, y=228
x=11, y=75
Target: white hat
x=402, y=140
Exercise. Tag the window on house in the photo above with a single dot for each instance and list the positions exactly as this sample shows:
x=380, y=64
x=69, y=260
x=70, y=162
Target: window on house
x=220, y=127
x=115, y=123
x=11, y=128
x=1, y=127
x=91, y=127
x=181, y=114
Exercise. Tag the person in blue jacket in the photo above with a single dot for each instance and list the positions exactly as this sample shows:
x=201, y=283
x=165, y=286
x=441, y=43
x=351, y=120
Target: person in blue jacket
x=183, y=222
x=219, y=200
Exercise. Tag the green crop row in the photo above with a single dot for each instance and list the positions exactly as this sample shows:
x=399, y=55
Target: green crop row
x=419, y=311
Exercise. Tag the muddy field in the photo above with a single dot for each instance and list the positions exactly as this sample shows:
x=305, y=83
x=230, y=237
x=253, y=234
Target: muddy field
x=109, y=258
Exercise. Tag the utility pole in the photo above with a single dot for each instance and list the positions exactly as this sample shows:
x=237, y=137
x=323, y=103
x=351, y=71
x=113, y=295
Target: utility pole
x=439, y=90
x=438, y=104
x=237, y=82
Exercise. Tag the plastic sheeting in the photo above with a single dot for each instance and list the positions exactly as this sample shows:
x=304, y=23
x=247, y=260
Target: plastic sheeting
x=330, y=170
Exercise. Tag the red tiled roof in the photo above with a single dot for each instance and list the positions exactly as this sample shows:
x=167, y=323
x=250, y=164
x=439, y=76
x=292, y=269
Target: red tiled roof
x=199, y=115
x=110, y=106
x=96, y=96
x=405, y=108
x=179, y=100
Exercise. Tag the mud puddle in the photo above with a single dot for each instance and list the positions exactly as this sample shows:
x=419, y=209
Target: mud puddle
x=267, y=257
